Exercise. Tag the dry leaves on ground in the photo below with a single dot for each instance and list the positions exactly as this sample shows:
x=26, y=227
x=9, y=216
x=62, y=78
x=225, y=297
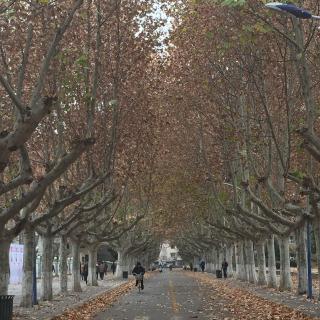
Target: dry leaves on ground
x=245, y=305
x=99, y=303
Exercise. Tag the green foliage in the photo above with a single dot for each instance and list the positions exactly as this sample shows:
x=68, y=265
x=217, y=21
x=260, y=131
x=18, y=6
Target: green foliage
x=233, y=3
x=82, y=60
x=298, y=174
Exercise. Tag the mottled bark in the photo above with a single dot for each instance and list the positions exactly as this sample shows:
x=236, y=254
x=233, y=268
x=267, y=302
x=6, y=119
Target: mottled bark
x=92, y=276
x=285, y=274
x=272, y=269
x=75, y=251
x=301, y=242
x=27, y=279
x=46, y=274
x=4, y=266
x=63, y=266
x=124, y=264
x=249, y=262
x=229, y=258
x=240, y=269
x=261, y=259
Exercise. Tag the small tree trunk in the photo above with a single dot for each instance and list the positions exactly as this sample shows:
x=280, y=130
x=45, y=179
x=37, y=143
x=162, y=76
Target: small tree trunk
x=63, y=266
x=250, y=265
x=272, y=269
x=27, y=280
x=301, y=241
x=285, y=274
x=229, y=258
x=46, y=274
x=4, y=265
x=92, y=276
x=261, y=258
x=240, y=269
x=75, y=250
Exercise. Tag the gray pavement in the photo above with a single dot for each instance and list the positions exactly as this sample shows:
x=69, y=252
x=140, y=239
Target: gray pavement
x=17, y=288
x=168, y=295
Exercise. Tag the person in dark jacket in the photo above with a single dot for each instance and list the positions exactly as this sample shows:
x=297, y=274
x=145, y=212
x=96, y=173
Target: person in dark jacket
x=202, y=265
x=85, y=272
x=139, y=269
x=113, y=267
x=224, y=267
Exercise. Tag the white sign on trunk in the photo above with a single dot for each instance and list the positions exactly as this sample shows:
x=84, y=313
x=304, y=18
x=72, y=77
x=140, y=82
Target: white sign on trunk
x=16, y=263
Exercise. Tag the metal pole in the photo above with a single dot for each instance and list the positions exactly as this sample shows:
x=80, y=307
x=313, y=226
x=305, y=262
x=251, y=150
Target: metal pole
x=309, y=295
x=34, y=273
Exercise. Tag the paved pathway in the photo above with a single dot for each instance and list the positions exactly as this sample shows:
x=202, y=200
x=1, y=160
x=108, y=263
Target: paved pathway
x=167, y=295
x=16, y=289
x=61, y=302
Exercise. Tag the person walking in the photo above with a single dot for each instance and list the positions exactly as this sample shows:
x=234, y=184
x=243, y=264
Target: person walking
x=82, y=270
x=224, y=268
x=101, y=270
x=85, y=272
x=202, y=265
x=113, y=268
x=97, y=270
x=105, y=268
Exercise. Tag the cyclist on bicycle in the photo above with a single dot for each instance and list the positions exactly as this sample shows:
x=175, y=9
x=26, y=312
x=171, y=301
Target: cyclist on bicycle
x=139, y=269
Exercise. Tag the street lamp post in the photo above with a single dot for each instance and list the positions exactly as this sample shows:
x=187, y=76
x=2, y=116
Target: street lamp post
x=300, y=13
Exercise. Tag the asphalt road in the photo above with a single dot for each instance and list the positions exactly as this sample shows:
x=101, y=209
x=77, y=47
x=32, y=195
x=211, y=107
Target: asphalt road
x=167, y=295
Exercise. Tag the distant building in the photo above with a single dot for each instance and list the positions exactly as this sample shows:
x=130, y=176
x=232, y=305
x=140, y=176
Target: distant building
x=170, y=254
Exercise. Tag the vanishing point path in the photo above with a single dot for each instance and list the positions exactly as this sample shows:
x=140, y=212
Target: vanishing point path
x=167, y=295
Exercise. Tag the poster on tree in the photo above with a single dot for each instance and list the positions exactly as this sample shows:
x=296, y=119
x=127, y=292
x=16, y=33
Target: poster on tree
x=16, y=263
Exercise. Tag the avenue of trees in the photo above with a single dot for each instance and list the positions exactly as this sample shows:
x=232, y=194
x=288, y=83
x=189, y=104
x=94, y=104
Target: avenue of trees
x=114, y=132
x=241, y=88
x=77, y=142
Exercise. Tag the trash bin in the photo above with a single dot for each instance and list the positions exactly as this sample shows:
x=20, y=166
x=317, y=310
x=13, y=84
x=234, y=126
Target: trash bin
x=6, y=307
x=219, y=273
x=125, y=274
x=195, y=269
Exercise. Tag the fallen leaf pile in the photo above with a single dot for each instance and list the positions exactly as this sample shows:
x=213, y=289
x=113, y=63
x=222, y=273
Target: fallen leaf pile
x=245, y=305
x=99, y=303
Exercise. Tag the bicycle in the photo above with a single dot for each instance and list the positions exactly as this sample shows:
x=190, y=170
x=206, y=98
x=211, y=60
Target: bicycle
x=139, y=278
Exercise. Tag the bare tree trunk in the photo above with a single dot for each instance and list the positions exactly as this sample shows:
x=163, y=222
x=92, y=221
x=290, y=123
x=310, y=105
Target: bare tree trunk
x=285, y=274
x=261, y=258
x=46, y=274
x=63, y=266
x=301, y=241
x=4, y=266
x=250, y=265
x=229, y=258
x=92, y=276
x=27, y=280
x=75, y=249
x=215, y=258
x=272, y=269
x=123, y=264
x=240, y=269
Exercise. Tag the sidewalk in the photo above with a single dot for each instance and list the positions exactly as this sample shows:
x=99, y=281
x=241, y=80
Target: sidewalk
x=47, y=309
x=285, y=298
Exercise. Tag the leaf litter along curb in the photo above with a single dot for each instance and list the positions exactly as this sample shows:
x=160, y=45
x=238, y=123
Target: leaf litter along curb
x=99, y=303
x=88, y=309
x=245, y=305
